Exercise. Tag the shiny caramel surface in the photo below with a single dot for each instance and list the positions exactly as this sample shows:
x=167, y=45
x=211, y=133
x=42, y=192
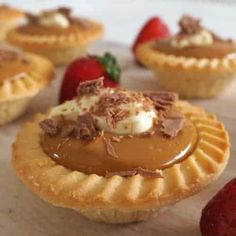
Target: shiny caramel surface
x=216, y=50
x=149, y=152
x=37, y=29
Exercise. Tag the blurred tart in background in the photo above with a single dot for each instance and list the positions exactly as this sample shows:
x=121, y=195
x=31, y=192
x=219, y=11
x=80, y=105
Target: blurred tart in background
x=9, y=18
x=56, y=35
x=22, y=76
x=119, y=156
x=196, y=63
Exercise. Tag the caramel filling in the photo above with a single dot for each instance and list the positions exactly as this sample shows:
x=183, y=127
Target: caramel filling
x=36, y=29
x=11, y=65
x=216, y=50
x=149, y=152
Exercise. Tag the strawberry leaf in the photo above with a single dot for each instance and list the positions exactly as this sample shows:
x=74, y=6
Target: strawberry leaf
x=111, y=66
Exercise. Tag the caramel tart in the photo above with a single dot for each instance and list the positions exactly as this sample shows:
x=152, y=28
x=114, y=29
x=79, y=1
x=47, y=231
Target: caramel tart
x=56, y=35
x=196, y=63
x=22, y=76
x=119, y=167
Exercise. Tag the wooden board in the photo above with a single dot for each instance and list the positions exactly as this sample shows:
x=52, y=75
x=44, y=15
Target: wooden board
x=23, y=213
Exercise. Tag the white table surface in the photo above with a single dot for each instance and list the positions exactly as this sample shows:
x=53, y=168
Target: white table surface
x=23, y=213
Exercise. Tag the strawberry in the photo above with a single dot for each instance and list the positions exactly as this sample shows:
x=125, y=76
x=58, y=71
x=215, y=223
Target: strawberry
x=219, y=215
x=89, y=68
x=155, y=28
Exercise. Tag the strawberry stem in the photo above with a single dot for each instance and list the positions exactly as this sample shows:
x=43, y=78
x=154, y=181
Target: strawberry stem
x=111, y=66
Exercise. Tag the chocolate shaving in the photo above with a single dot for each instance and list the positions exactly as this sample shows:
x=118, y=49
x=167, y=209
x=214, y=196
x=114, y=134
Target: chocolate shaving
x=149, y=173
x=65, y=11
x=141, y=171
x=109, y=105
x=33, y=19
x=114, y=115
x=162, y=100
x=189, y=25
x=91, y=87
x=125, y=173
x=86, y=127
x=110, y=148
x=50, y=126
x=171, y=123
x=115, y=139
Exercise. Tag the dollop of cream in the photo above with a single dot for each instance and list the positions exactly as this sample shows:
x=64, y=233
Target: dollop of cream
x=202, y=38
x=139, y=119
x=53, y=19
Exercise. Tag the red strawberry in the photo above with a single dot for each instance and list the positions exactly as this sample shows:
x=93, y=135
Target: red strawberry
x=219, y=215
x=155, y=28
x=89, y=68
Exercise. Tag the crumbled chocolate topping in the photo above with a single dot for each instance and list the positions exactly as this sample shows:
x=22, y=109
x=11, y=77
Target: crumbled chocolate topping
x=87, y=129
x=33, y=19
x=110, y=148
x=50, y=126
x=65, y=11
x=114, y=115
x=141, y=171
x=84, y=128
x=91, y=87
x=162, y=100
x=108, y=105
x=189, y=25
x=171, y=123
x=69, y=130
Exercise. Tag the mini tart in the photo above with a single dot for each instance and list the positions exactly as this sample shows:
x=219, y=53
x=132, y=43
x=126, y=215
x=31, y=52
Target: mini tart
x=190, y=77
x=9, y=17
x=16, y=92
x=61, y=47
x=195, y=63
x=122, y=199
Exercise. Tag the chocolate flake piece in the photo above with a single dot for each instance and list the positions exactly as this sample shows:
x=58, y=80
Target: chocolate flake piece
x=115, y=139
x=127, y=173
x=162, y=100
x=141, y=171
x=114, y=115
x=69, y=130
x=189, y=25
x=86, y=127
x=32, y=18
x=149, y=173
x=171, y=123
x=91, y=87
x=50, y=126
x=110, y=148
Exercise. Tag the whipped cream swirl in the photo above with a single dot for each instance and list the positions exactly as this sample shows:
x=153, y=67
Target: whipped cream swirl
x=53, y=19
